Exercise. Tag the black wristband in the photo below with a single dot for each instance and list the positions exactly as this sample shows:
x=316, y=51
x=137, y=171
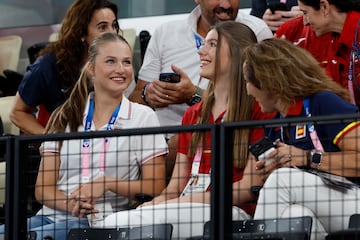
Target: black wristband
x=143, y=94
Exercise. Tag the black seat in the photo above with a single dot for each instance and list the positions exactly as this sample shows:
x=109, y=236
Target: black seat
x=154, y=232
x=33, y=50
x=144, y=38
x=297, y=228
x=353, y=232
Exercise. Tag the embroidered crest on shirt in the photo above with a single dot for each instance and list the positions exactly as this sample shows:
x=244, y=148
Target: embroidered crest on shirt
x=300, y=131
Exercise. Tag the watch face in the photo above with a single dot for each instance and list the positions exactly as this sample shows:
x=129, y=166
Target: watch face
x=196, y=99
x=316, y=158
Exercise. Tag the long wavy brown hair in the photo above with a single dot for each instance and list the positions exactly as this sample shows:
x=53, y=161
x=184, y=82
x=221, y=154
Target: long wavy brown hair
x=240, y=105
x=287, y=71
x=69, y=50
x=71, y=112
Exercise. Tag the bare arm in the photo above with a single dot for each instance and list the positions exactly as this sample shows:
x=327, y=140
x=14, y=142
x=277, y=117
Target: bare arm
x=242, y=189
x=22, y=116
x=152, y=182
x=343, y=163
x=177, y=183
x=46, y=191
x=346, y=162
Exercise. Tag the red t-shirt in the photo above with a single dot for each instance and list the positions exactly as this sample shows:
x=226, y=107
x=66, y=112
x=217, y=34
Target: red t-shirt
x=303, y=36
x=191, y=116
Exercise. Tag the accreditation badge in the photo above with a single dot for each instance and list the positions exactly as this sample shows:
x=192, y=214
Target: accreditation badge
x=197, y=183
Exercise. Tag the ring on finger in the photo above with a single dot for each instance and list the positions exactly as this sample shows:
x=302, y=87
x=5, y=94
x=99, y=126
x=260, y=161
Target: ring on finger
x=167, y=96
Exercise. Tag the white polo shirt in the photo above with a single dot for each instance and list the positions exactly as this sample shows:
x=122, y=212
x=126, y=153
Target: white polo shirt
x=174, y=43
x=124, y=155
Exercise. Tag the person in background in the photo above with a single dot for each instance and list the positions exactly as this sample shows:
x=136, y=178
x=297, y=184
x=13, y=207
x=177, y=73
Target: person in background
x=185, y=203
x=74, y=177
x=331, y=30
x=177, y=42
x=275, y=12
x=301, y=34
x=286, y=79
x=343, y=19
x=48, y=82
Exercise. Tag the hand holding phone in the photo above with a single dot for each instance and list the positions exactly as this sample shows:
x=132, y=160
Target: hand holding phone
x=262, y=148
x=275, y=5
x=171, y=77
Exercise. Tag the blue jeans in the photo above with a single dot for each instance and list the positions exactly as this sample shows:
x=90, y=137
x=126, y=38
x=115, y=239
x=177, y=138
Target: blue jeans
x=43, y=226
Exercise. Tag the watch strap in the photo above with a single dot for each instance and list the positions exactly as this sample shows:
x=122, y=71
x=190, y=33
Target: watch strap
x=196, y=97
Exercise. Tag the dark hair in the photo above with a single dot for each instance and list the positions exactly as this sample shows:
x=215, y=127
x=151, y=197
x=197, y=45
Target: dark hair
x=341, y=5
x=69, y=50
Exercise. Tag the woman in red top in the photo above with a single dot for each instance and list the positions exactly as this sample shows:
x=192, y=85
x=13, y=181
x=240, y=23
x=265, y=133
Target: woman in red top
x=342, y=19
x=185, y=203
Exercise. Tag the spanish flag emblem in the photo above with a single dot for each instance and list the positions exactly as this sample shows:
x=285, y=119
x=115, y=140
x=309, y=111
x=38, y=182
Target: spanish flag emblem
x=300, y=131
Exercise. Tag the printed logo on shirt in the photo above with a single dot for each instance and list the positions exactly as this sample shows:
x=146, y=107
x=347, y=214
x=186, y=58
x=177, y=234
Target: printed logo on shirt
x=300, y=131
x=299, y=41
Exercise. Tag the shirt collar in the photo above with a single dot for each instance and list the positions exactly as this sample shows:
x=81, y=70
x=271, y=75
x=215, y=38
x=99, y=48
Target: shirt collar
x=296, y=108
x=124, y=113
x=347, y=35
x=194, y=17
x=197, y=109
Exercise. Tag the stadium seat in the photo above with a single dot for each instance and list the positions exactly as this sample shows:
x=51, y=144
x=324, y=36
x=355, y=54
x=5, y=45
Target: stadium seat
x=297, y=228
x=353, y=232
x=153, y=232
x=10, y=47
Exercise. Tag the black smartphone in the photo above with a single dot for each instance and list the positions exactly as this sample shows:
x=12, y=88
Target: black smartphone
x=261, y=148
x=277, y=5
x=171, y=77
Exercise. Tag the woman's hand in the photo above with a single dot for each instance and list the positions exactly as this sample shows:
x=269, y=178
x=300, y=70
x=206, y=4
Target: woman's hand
x=289, y=156
x=83, y=199
x=161, y=94
x=276, y=19
x=80, y=207
x=283, y=156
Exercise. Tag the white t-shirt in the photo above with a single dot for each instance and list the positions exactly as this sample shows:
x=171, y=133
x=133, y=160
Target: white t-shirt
x=174, y=43
x=124, y=155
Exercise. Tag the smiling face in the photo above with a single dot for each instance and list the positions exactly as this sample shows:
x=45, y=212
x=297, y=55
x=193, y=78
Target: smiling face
x=112, y=70
x=208, y=56
x=218, y=10
x=103, y=20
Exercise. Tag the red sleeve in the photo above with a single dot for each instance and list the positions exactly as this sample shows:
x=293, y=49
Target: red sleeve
x=291, y=29
x=258, y=133
x=190, y=117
